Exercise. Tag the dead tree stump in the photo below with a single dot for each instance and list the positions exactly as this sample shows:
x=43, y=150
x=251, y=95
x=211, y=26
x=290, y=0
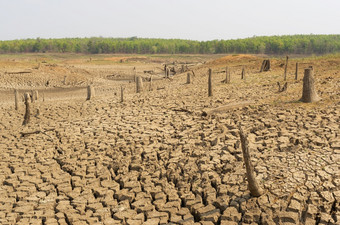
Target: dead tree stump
x=254, y=188
x=210, y=91
x=265, y=65
x=139, y=84
x=296, y=71
x=309, y=93
x=16, y=99
x=90, y=92
x=27, y=116
x=243, y=74
x=188, y=78
x=285, y=74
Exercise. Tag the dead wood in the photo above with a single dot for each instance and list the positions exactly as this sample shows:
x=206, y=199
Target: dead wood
x=254, y=188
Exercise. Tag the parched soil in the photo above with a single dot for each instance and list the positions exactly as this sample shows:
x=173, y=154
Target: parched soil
x=171, y=154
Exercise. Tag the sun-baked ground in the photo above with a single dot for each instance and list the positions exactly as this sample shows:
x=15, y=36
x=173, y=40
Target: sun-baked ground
x=171, y=154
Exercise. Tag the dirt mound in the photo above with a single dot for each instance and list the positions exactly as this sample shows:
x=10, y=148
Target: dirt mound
x=232, y=59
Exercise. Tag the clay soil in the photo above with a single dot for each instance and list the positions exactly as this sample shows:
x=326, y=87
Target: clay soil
x=171, y=154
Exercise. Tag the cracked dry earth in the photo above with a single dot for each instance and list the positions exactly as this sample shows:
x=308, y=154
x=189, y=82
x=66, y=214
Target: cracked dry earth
x=154, y=159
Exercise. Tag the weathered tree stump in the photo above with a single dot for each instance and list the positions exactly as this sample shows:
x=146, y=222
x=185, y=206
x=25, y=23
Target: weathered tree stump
x=284, y=88
x=286, y=65
x=27, y=116
x=254, y=188
x=16, y=99
x=139, y=84
x=188, y=78
x=265, y=65
x=210, y=91
x=309, y=93
x=296, y=71
x=243, y=74
x=90, y=92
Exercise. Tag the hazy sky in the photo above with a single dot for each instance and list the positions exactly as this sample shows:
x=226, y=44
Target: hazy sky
x=185, y=19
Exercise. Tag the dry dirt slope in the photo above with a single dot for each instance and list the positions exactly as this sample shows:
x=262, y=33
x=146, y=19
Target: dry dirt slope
x=154, y=159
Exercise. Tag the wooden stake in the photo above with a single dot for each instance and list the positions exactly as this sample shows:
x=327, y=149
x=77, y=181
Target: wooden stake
x=285, y=75
x=188, y=78
x=121, y=94
x=210, y=91
x=254, y=188
x=27, y=116
x=296, y=71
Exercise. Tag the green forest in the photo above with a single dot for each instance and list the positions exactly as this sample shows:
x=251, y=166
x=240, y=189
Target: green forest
x=289, y=44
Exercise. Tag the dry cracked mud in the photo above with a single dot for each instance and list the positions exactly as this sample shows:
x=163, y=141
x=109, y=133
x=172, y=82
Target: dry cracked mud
x=157, y=158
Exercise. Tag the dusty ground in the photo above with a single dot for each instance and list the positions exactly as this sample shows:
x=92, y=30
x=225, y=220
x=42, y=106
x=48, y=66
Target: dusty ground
x=156, y=158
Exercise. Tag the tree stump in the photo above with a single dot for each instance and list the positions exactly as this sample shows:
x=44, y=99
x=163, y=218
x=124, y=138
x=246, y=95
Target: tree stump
x=285, y=74
x=265, y=65
x=188, y=78
x=16, y=99
x=308, y=92
x=210, y=91
x=27, y=116
x=254, y=188
x=90, y=92
x=243, y=74
x=296, y=71
x=139, y=84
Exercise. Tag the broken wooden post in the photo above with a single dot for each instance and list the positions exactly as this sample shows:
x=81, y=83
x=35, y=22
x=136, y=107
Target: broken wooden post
x=167, y=72
x=296, y=71
x=139, y=84
x=121, y=94
x=243, y=74
x=90, y=92
x=226, y=75
x=27, y=99
x=285, y=75
x=309, y=93
x=16, y=99
x=188, y=78
x=210, y=91
x=254, y=188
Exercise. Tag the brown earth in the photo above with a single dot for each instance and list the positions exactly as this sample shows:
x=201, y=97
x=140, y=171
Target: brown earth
x=159, y=157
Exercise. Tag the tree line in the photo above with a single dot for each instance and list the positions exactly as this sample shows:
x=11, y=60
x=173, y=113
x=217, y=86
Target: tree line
x=288, y=44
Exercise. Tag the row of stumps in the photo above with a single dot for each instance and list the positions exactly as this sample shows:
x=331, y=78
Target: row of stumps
x=309, y=93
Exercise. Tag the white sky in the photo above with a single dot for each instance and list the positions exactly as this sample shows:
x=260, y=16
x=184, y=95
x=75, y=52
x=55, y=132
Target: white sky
x=185, y=19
